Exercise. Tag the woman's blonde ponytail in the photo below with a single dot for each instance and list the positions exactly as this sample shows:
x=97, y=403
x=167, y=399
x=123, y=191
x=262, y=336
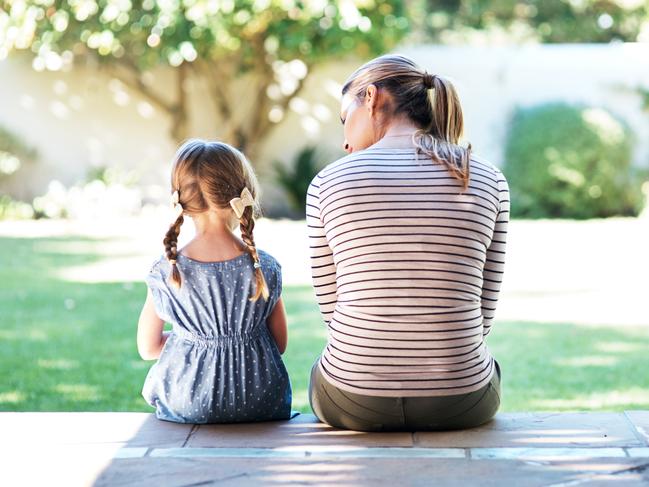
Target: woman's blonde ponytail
x=440, y=140
x=430, y=101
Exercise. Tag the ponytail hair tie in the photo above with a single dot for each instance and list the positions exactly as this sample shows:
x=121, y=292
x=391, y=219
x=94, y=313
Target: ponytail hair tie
x=244, y=200
x=429, y=80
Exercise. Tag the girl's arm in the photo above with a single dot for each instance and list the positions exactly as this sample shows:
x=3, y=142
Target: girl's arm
x=150, y=335
x=277, y=325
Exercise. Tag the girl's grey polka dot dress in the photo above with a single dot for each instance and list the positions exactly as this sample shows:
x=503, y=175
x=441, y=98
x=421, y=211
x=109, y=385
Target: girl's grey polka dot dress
x=220, y=364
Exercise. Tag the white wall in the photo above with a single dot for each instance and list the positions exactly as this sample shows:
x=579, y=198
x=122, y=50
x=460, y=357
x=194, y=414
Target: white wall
x=82, y=118
x=493, y=81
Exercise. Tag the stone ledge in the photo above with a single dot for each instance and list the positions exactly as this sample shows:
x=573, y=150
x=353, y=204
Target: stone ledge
x=110, y=449
x=511, y=430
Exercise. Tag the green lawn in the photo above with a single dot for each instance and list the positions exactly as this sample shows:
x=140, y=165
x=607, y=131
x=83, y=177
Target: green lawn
x=70, y=346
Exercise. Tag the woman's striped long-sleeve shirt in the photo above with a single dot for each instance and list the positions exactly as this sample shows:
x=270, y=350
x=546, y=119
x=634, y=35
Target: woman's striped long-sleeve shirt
x=407, y=269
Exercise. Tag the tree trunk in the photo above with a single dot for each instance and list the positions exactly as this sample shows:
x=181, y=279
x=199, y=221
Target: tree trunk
x=128, y=73
x=179, y=119
x=245, y=135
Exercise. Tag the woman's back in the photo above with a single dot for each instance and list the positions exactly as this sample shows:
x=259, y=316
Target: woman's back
x=400, y=251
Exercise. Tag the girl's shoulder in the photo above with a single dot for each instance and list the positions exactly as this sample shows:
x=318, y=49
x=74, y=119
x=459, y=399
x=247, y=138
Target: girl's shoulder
x=268, y=261
x=159, y=265
x=158, y=276
x=161, y=268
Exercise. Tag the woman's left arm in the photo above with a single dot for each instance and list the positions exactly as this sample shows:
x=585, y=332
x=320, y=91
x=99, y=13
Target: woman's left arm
x=150, y=335
x=495, y=262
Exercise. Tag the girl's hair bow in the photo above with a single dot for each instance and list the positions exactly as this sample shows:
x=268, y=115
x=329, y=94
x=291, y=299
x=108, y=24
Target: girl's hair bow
x=239, y=204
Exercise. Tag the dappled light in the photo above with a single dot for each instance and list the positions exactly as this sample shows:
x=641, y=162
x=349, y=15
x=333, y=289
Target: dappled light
x=619, y=347
x=24, y=334
x=61, y=364
x=546, y=242
x=79, y=392
x=601, y=466
x=326, y=473
x=595, y=360
x=11, y=397
x=610, y=399
x=62, y=313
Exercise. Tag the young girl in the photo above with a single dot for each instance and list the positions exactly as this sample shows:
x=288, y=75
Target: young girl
x=221, y=362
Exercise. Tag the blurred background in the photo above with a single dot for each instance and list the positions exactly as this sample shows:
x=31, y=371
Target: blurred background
x=95, y=96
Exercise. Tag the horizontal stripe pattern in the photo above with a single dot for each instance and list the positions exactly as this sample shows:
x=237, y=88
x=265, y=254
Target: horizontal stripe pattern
x=407, y=270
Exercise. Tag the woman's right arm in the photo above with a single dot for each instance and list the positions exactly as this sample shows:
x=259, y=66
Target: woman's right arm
x=323, y=269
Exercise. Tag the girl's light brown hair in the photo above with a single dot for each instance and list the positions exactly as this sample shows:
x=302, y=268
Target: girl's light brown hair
x=207, y=175
x=429, y=101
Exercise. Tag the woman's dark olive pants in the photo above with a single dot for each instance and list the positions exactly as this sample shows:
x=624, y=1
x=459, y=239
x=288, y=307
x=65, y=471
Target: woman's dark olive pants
x=346, y=410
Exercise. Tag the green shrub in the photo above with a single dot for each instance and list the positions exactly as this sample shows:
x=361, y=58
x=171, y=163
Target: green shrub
x=568, y=161
x=295, y=179
x=14, y=152
x=15, y=210
x=14, y=155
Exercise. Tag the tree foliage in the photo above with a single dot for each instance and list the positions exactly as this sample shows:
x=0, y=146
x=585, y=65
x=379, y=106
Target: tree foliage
x=550, y=21
x=273, y=43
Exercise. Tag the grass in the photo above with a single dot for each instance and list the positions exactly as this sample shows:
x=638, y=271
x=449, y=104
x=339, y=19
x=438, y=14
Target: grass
x=70, y=346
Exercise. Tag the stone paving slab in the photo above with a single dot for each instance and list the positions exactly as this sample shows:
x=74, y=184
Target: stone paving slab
x=343, y=451
x=135, y=449
x=303, y=430
x=134, y=429
x=371, y=472
x=640, y=421
x=73, y=466
x=638, y=452
x=540, y=430
x=316, y=451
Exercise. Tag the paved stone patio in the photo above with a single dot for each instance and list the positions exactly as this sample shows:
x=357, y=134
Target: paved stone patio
x=135, y=449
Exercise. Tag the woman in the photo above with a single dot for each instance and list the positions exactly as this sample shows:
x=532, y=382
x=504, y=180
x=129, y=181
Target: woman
x=407, y=236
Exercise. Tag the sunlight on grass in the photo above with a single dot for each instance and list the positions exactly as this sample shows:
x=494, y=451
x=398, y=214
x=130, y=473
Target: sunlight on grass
x=11, y=397
x=69, y=345
x=619, y=347
x=611, y=399
x=301, y=400
x=67, y=247
x=61, y=364
x=139, y=365
x=114, y=269
x=79, y=392
x=594, y=360
x=24, y=334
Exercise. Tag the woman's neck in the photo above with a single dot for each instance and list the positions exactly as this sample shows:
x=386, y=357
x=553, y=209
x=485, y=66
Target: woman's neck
x=398, y=135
